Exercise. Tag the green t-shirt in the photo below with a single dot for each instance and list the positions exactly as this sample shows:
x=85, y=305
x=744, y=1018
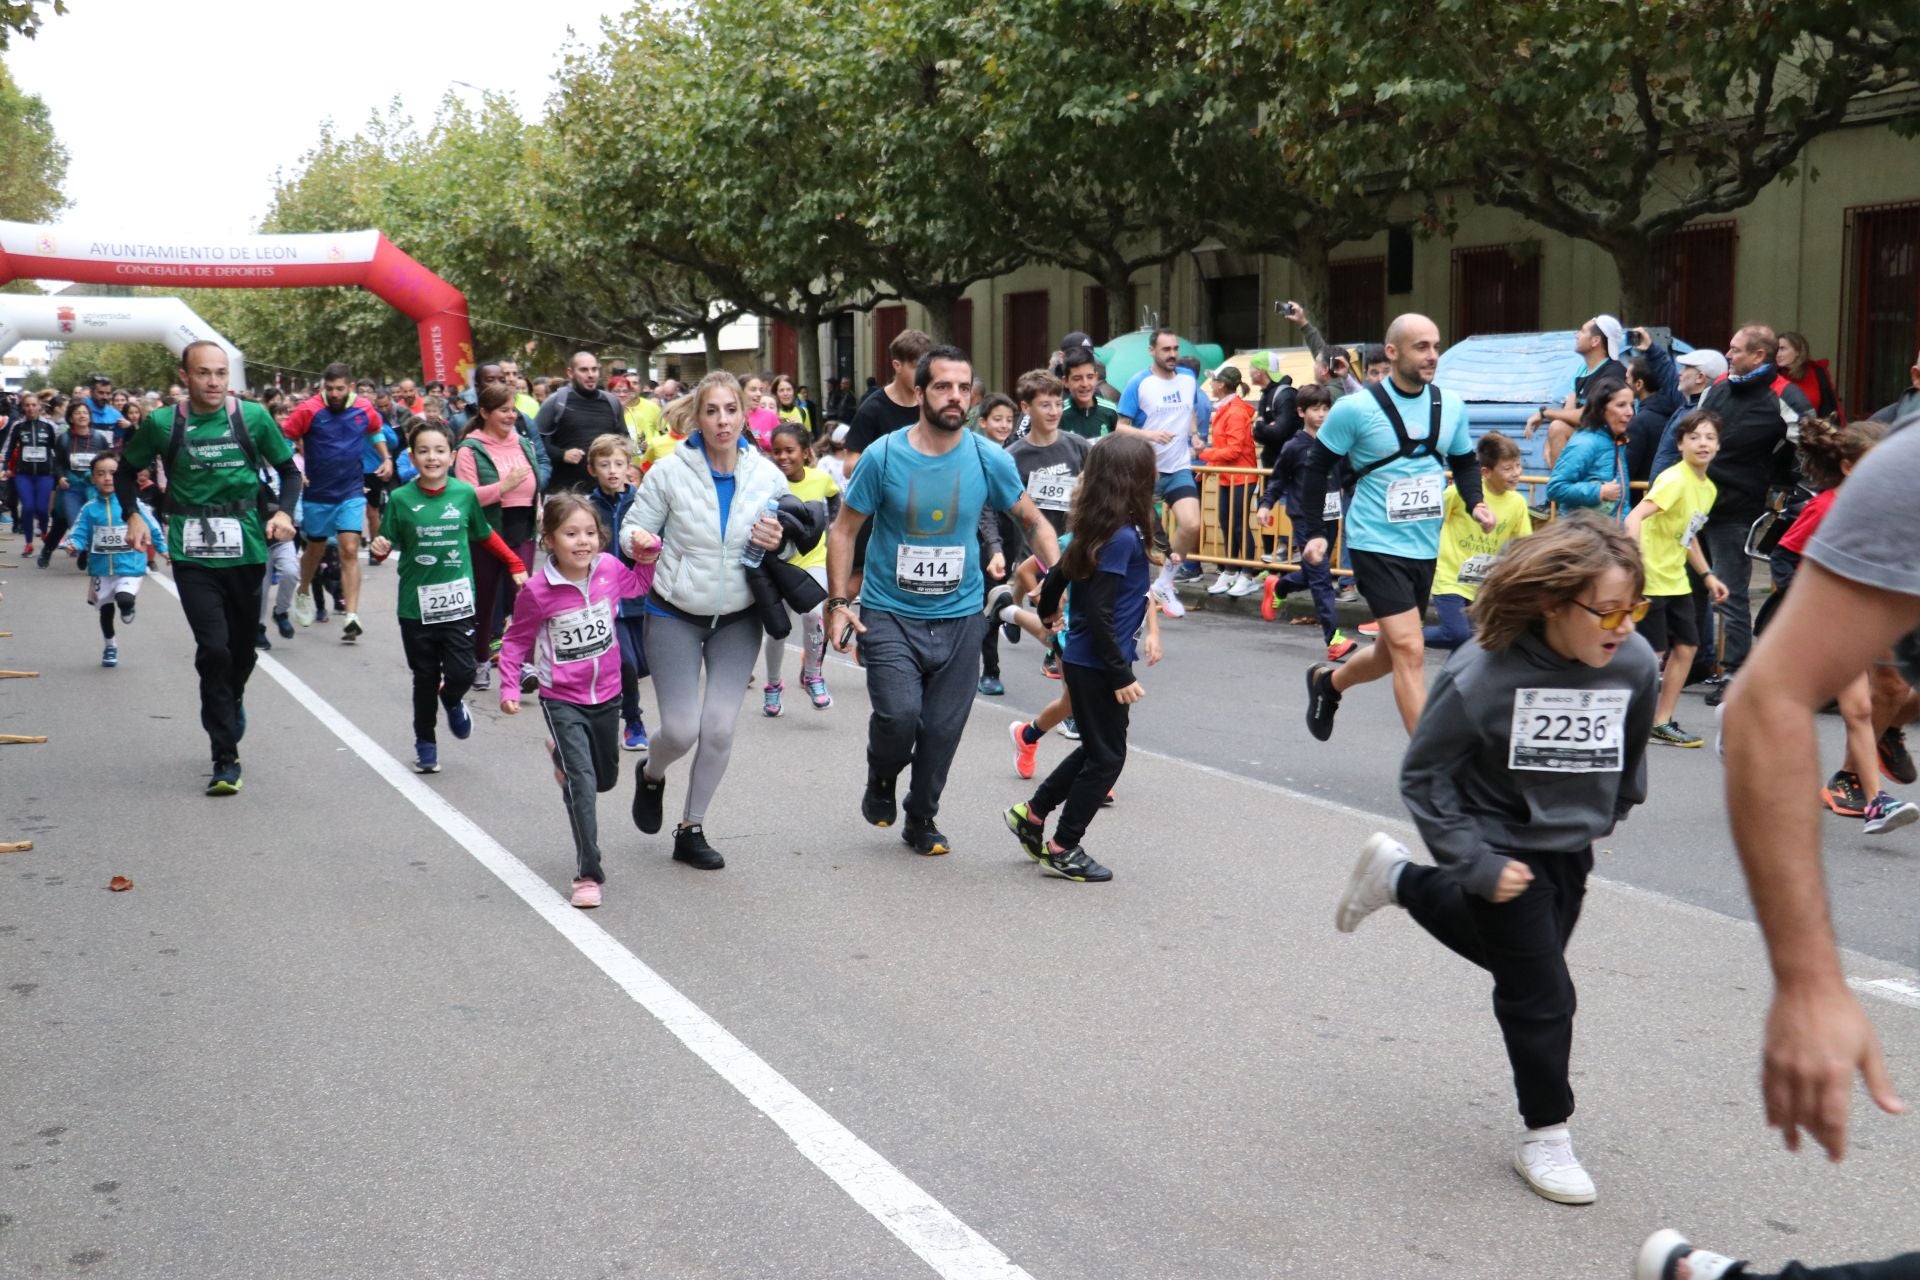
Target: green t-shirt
x=1091, y=423
x=433, y=536
x=211, y=471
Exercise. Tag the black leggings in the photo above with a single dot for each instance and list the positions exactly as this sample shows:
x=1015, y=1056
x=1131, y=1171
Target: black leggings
x=124, y=602
x=1083, y=779
x=1522, y=943
x=441, y=658
x=1904, y=1267
x=223, y=611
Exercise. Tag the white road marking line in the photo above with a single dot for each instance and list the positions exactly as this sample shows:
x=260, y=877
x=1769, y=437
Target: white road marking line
x=952, y=1248
x=1898, y=990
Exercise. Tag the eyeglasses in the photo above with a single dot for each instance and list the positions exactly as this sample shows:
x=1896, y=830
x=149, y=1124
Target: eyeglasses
x=1610, y=619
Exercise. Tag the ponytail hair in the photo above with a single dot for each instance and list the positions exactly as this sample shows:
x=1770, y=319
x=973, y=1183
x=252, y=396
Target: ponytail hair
x=1828, y=447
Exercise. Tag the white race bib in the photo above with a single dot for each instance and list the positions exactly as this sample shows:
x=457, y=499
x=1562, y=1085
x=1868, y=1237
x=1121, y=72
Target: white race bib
x=1332, y=509
x=929, y=571
x=1418, y=497
x=582, y=634
x=33, y=453
x=216, y=538
x=1567, y=730
x=1474, y=570
x=1052, y=490
x=108, y=539
x=81, y=461
x=1695, y=523
x=446, y=601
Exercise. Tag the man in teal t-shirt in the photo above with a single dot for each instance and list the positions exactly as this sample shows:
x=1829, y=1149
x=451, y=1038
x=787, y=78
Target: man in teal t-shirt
x=219, y=522
x=1399, y=438
x=920, y=622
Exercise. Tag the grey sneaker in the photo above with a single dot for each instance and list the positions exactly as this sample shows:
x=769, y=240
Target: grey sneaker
x=1075, y=865
x=1370, y=886
x=1674, y=736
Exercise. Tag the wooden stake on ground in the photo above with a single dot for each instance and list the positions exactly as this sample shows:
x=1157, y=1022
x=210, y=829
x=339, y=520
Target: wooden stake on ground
x=19, y=675
x=22, y=738
x=17, y=846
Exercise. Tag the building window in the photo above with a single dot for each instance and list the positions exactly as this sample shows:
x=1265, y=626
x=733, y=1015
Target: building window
x=1880, y=310
x=786, y=350
x=1233, y=305
x=1693, y=283
x=1496, y=289
x=1028, y=345
x=1357, y=302
x=887, y=324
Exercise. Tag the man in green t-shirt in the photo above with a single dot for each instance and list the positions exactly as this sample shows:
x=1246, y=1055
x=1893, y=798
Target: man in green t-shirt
x=1085, y=415
x=220, y=517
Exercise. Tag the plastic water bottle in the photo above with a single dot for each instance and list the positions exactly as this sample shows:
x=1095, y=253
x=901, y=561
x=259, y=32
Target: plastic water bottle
x=754, y=553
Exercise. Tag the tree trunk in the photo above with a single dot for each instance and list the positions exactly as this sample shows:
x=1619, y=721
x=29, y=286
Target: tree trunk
x=1118, y=283
x=643, y=356
x=1633, y=262
x=1313, y=285
x=710, y=334
x=939, y=308
x=1166, y=295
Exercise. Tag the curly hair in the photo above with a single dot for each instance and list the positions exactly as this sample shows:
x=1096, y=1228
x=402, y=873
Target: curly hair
x=1829, y=447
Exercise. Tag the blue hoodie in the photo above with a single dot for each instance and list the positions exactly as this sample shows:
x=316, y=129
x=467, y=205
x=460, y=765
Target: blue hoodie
x=1590, y=460
x=104, y=516
x=613, y=509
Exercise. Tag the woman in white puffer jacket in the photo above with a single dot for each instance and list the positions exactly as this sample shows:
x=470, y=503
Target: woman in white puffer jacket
x=706, y=501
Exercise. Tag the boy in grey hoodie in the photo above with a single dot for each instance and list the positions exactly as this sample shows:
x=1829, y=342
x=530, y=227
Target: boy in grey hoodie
x=1532, y=745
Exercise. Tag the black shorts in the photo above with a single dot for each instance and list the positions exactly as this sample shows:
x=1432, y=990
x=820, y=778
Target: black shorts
x=1392, y=584
x=376, y=491
x=1669, y=622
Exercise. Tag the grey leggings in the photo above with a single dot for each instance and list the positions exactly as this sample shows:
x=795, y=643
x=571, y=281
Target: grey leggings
x=675, y=651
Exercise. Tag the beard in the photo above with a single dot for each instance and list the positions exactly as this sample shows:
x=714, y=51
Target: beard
x=952, y=418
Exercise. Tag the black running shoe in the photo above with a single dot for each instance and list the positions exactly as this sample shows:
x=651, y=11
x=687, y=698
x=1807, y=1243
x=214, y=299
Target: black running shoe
x=690, y=846
x=877, y=805
x=226, y=778
x=1075, y=865
x=284, y=625
x=925, y=838
x=649, y=803
x=261, y=642
x=1322, y=701
x=1030, y=831
x=126, y=613
x=1894, y=757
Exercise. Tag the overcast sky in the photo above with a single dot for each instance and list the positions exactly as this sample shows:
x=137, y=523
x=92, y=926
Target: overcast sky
x=264, y=77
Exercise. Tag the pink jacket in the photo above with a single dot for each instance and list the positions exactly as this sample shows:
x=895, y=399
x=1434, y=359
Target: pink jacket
x=568, y=629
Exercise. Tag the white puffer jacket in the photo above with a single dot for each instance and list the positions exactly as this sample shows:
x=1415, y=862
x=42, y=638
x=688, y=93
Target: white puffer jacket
x=680, y=504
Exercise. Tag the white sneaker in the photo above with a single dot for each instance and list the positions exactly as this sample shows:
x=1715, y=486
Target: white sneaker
x=1664, y=1248
x=1168, y=599
x=1248, y=585
x=1546, y=1161
x=1370, y=887
x=303, y=609
x=1221, y=584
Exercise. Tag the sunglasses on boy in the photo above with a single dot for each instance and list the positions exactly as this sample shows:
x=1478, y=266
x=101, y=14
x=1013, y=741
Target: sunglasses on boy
x=1610, y=619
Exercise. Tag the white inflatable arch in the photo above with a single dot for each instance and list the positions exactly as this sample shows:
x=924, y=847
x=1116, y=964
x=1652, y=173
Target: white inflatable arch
x=64, y=318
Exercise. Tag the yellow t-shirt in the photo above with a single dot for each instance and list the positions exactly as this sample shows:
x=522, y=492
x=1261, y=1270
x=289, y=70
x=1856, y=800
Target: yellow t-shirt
x=1467, y=550
x=1684, y=500
x=814, y=485
x=659, y=447
x=644, y=423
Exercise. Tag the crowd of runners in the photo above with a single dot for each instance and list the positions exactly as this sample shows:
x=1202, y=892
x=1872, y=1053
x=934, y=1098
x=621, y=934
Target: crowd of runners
x=576, y=545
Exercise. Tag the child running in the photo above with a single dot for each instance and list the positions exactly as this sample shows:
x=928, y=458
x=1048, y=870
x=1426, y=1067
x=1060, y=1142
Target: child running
x=434, y=522
x=610, y=463
x=564, y=621
x=115, y=573
x=1532, y=745
x=1467, y=550
x=1000, y=542
x=789, y=452
x=1108, y=567
x=1313, y=402
x=1666, y=524
x=1829, y=451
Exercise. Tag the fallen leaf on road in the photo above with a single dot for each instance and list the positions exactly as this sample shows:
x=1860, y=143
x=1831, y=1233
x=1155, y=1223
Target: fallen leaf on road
x=119, y=884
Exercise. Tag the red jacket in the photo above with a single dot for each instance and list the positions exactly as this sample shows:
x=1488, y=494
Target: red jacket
x=1817, y=387
x=1232, y=446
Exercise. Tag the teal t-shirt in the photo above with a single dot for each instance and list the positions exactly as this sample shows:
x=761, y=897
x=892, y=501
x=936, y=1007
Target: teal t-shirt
x=1397, y=509
x=923, y=560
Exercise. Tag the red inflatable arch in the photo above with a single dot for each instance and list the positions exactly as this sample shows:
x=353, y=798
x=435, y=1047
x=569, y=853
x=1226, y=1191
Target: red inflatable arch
x=364, y=258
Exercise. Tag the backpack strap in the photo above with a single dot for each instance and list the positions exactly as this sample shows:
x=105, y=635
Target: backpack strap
x=1408, y=446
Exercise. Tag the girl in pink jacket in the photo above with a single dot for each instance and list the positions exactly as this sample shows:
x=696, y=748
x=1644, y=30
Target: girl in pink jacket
x=563, y=622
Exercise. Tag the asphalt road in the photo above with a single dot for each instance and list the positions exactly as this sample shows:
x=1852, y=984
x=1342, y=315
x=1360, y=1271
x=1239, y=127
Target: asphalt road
x=342, y=1025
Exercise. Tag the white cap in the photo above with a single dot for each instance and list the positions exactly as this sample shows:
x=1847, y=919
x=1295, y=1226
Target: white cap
x=1615, y=336
x=840, y=433
x=1711, y=363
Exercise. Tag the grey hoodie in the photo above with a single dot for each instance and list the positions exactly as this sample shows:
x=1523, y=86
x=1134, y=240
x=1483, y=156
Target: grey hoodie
x=1473, y=807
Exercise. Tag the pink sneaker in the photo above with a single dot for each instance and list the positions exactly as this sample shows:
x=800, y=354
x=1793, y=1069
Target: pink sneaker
x=585, y=894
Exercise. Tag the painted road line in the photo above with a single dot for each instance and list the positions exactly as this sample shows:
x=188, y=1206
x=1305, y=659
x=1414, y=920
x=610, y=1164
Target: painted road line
x=1898, y=990
x=952, y=1248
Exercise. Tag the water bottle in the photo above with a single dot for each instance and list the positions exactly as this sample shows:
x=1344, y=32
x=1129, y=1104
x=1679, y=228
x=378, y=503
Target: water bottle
x=754, y=553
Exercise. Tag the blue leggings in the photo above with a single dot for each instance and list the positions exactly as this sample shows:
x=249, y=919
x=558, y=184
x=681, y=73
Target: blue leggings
x=36, y=502
x=1454, y=629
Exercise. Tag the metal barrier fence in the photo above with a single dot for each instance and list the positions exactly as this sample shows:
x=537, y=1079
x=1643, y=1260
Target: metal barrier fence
x=1222, y=484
